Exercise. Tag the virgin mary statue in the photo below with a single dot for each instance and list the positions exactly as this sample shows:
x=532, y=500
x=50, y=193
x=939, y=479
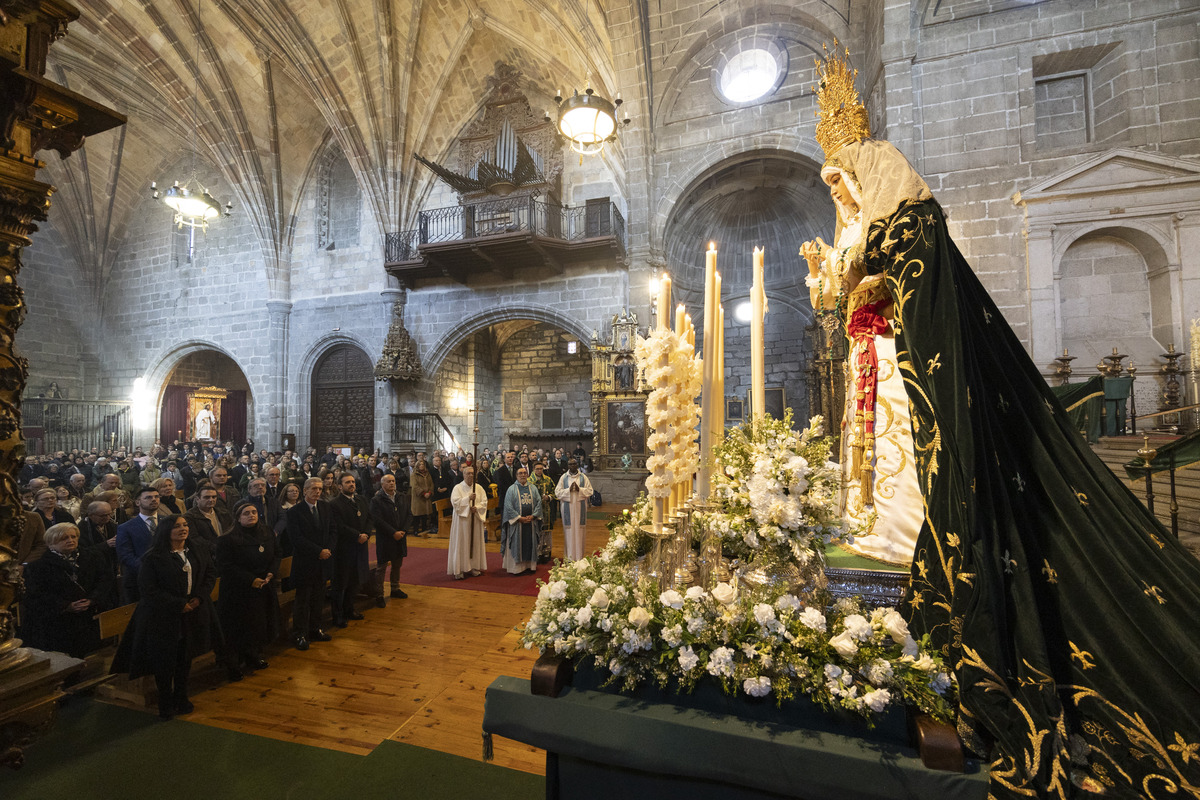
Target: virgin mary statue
x=1065, y=607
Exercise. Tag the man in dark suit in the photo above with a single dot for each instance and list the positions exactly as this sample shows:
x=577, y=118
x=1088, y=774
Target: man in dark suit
x=352, y=521
x=225, y=492
x=505, y=476
x=274, y=477
x=208, y=519
x=390, y=511
x=133, y=540
x=310, y=532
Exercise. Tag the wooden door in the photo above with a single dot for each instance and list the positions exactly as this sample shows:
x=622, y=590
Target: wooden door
x=343, y=399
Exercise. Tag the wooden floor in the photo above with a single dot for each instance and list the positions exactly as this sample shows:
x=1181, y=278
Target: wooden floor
x=413, y=672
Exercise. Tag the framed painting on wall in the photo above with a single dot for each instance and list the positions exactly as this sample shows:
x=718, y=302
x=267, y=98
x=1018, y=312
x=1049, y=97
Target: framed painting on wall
x=734, y=409
x=511, y=408
x=775, y=404
x=625, y=427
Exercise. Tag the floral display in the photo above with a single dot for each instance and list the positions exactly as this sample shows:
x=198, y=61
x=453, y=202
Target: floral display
x=776, y=493
x=672, y=368
x=753, y=640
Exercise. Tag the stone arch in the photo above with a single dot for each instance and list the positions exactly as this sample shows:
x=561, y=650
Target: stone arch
x=302, y=391
x=1155, y=247
x=791, y=145
x=468, y=327
x=169, y=359
x=333, y=176
x=771, y=198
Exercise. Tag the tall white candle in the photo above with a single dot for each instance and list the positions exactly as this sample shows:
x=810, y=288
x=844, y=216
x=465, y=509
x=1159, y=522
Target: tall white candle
x=758, y=309
x=663, y=310
x=711, y=298
x=719, y=411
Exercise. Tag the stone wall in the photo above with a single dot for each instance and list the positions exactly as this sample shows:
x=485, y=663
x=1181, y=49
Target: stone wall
x=535, y=362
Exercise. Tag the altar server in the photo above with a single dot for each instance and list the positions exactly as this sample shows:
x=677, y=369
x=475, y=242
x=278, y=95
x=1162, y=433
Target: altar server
x=573, y=491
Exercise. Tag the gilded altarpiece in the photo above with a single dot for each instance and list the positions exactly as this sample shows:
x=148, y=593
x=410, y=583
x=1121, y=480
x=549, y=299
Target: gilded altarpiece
x=618, y=396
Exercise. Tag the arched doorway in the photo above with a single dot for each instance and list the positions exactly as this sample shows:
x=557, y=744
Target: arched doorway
x=343, y=399
x=229, y=417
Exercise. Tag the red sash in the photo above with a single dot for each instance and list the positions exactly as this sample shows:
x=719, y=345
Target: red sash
x=865, y=324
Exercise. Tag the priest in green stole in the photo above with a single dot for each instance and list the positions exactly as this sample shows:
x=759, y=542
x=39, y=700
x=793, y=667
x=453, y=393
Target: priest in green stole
x=1066, y=610
x=522, y=525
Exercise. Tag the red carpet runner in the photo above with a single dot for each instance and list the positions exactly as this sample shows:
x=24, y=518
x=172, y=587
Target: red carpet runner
x=426, y=566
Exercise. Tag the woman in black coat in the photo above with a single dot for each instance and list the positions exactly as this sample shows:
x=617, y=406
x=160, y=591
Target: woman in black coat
x=174, y=620
x=248, y=607
x=45, y=502
x=64, y=590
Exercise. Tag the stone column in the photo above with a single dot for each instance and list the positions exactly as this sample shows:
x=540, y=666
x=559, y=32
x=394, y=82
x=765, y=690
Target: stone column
x=279, y=315
x=35, y=115
x=1045, y=334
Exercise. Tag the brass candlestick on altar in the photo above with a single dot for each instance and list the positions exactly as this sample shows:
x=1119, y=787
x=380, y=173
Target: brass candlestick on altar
x=683, y=546
x=656, y=561
x=1148, y=453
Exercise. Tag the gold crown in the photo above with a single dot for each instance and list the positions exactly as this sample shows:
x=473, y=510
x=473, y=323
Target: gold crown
x=842, y=118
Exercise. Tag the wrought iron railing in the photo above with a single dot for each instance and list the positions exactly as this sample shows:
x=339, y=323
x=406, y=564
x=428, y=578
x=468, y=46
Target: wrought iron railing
x=508, y=215
x=423, y=431
x=52, y=425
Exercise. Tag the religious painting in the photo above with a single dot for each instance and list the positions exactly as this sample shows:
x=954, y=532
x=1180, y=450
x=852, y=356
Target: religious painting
x=775, y=404
x=734, y=409
x=512, y=404
x=343, y=450
x=626, y=427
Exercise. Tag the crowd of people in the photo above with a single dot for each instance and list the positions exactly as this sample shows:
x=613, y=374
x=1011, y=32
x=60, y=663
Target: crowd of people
x=160, y=527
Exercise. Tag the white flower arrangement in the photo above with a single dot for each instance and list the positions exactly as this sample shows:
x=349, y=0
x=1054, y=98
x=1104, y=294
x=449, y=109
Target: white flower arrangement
x=673, y=369
x=745, y=638
x=776, y=493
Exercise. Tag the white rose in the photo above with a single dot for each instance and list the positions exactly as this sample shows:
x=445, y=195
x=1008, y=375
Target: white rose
x=724, y=593
x=599, y=599
x=832, y=672
x=695, y=592
x=895, y=626
x=757, y=687
x=639, y=616
x=844, y=644
x=789, y=602
x=558, y=590
x=544, y=592
x=671, y=598
x=583, y=616
x=763, y=614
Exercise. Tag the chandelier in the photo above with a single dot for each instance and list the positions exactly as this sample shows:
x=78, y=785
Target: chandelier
x=191, y=203
x=587, y=120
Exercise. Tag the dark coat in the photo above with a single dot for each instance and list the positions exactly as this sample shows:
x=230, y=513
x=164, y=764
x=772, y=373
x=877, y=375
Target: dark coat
x=249, y=617
x=308, y=538
x=51, y=585
x=159, y=622
x=200, y=528
x=59, y=515
x=352, y=517
x=390, y=517
x=504, y=477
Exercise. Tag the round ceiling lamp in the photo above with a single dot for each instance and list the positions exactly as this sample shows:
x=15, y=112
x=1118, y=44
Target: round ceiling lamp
x=588, y=121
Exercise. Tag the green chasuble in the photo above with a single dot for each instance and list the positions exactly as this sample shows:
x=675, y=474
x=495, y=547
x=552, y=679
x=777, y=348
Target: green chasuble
x=1065, y=608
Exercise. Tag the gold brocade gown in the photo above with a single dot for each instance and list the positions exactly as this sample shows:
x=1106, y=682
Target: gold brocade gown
x=880, y=495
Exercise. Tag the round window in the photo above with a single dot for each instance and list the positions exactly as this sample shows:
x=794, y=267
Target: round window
x=749, y=75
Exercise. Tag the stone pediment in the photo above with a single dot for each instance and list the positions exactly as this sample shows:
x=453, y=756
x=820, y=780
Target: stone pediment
x=1115, y=171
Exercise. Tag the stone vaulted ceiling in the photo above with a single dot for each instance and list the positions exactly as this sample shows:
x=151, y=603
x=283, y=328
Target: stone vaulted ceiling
x=277, y=79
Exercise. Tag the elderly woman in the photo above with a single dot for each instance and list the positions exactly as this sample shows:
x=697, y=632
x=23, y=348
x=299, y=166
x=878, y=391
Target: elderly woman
x=64, y=590
x=174, y=619
x=248, y=561
x=45, y=504
x=166, y=495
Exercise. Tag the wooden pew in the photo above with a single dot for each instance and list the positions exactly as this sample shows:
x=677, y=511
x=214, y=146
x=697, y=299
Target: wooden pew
x=444, y=522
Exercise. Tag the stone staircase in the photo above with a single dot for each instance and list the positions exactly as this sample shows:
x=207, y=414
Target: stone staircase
x=1116, y=451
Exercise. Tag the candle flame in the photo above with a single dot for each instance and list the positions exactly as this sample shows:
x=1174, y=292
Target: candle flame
x=712, y=245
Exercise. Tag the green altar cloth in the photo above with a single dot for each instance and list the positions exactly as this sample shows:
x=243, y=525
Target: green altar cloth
x=602, y=745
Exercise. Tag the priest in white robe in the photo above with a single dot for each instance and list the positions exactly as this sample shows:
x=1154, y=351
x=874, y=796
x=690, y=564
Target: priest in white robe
x=522, y=525
x=573, y=491
x=466, y=555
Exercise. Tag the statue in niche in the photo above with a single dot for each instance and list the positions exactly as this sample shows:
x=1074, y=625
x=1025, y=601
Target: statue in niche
x=205, y=423
x=624, y=373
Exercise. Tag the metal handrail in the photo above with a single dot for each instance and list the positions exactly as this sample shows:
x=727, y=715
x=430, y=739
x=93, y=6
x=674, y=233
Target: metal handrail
x=53, y=425
x=424, y=428
x=508, y=215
